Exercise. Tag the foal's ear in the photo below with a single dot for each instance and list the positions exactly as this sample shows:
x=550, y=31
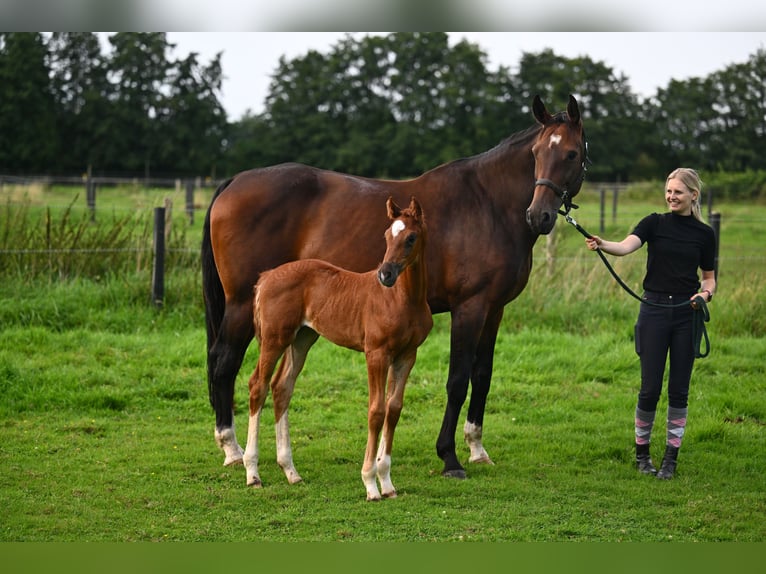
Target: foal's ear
x=541, y=113
x=416, y=209
x=393, y=210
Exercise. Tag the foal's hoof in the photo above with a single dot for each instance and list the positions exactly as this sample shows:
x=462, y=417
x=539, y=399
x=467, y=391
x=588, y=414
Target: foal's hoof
x=255, y=483
x=233, y=461
x=458, y=473
x=483, y=459
x=391, y=494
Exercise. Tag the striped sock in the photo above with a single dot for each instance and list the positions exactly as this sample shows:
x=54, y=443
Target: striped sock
x=676, y=426
x=644, y=424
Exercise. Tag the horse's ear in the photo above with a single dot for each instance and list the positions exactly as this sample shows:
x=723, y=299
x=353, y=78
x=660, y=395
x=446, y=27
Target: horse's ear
x=393, y=210
x=416, y=209
x=573, y=110
x=538, y=108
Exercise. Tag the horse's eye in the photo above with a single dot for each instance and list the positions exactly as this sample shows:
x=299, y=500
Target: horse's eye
x=572, y=155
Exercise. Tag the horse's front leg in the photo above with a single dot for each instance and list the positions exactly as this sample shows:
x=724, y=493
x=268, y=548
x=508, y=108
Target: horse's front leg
x=398, y=375
x=377, y=369
x=480, y=383
x=467, y=323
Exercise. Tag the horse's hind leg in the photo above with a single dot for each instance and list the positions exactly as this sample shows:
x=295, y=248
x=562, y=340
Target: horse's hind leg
x=224, y=361
x=282, y=387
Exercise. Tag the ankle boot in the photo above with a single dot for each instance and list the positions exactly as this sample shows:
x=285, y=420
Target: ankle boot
x=643, y=460
x=669, y=461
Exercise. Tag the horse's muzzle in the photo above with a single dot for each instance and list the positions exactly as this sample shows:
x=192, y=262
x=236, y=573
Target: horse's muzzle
x=541, y=222
x=388, y=273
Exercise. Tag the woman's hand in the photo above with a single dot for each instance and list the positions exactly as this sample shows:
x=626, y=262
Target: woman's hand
x=593, y=242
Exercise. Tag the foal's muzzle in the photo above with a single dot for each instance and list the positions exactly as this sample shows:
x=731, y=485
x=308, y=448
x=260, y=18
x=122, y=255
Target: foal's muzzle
x=388, y=274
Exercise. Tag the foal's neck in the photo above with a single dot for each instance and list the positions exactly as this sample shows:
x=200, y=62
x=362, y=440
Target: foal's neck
x=412, y=281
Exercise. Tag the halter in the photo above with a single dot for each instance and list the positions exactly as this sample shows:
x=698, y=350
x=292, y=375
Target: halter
x=563, y=192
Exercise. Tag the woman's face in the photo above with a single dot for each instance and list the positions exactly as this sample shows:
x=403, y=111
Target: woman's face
x=679, y=197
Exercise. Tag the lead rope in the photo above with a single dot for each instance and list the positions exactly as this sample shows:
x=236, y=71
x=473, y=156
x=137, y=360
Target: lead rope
x=698, y=303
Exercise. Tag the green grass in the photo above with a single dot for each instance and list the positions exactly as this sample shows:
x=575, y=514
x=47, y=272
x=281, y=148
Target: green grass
x=106, y=433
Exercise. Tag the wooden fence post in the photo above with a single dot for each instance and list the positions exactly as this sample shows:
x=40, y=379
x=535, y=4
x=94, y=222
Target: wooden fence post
x=715, y=223
x=602, y=199
x=190, y=200
x=158, y=271
x=90, y=194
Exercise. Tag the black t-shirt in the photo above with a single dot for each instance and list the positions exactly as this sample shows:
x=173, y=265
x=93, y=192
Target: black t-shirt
x=678, y=245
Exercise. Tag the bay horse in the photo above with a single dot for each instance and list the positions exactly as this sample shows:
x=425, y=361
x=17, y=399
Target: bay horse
x=485, y=212
x=383, y=313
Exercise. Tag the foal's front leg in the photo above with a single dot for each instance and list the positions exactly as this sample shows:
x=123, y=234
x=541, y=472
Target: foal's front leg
x=377, y=368
x=398, y=375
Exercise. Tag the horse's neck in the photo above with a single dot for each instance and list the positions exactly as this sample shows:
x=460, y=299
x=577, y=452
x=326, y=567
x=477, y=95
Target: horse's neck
x=507, y=171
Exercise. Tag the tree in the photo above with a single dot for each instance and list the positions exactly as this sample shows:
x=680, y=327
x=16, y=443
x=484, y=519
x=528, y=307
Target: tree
x=27, y=117
x=138, y=67
x=192, y=122
x=82, y=93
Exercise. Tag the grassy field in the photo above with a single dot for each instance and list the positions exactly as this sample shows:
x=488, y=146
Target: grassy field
x=106, y=433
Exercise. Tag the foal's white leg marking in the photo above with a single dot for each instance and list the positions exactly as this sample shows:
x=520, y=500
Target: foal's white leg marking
x=226, y=439
x=285, y=451
x=555, y=140
x=368, y=478
x=251, y=451
x=472, y=435
x=383, y=461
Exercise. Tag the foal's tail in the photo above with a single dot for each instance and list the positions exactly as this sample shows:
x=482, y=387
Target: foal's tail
x=212, y=289
x=257, y=312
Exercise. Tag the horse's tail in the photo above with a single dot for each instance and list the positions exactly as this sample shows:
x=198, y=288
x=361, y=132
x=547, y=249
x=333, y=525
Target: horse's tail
x=212, y=289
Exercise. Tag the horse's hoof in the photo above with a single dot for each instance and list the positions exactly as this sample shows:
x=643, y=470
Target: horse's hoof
x=373, y=498
x=255, y=484
x=458, y=473
x=391, y=494
x=233, y=461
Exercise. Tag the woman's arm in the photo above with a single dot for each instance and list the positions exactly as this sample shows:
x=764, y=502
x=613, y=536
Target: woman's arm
x=628, y=245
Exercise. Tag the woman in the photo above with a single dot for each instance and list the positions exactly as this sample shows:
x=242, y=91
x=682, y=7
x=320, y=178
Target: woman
x=679, y=243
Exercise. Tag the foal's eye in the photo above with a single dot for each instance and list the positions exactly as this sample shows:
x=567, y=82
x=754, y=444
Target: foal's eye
x=411, y=239
x=572, y=155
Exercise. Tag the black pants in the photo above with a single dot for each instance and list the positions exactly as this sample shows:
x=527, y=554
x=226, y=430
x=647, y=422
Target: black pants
x=661, y=332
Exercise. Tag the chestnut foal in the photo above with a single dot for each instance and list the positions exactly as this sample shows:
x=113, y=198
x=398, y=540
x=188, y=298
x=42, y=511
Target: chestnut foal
x=383, y=313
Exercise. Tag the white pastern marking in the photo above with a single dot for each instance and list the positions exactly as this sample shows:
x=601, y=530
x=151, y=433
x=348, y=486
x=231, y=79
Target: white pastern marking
x=555, y=140
x=397, y=227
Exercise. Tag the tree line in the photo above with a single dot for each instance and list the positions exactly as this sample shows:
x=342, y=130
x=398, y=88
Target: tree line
x=383, y=106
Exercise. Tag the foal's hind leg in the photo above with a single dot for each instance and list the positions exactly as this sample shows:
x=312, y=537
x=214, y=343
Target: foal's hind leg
x=259, y=388
x=282, y=387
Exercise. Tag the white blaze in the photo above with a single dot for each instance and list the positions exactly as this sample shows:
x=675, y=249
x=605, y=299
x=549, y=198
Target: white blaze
x=397, y=227
x=555, y=140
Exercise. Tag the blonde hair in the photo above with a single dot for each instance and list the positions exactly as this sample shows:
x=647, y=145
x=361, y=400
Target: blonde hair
x=691, y=179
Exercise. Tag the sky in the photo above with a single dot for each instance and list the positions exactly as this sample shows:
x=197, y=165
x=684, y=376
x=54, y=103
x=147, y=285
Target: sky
x=649, y=60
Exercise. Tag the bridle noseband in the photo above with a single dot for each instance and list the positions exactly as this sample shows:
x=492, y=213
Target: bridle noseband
x=563, y=192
